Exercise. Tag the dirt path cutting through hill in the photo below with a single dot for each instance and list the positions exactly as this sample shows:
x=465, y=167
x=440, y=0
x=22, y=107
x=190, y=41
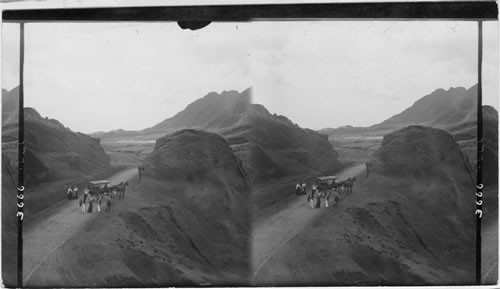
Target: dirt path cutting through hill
x=490, y=251
x=44, y=236
x=273, y=232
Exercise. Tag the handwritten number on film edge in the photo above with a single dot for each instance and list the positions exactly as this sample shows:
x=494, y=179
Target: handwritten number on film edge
x=479, y=201
x=20, y=205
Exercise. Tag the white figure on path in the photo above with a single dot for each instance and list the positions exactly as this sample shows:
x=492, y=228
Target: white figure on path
x=82, y=205
x=75, y=191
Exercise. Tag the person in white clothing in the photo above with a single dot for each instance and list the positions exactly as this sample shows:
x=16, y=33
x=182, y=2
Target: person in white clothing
x=69, y=193
x=99, y=204
x=85, y=194
x=312, y=195
x=82, y=205
x=75, y=191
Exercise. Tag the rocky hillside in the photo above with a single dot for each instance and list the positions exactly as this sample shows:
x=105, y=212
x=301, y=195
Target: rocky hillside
x=55, y=152
x=184, y=223
x=279, y=147
x=195, y=156
x=52, y=153
x=197, y=178
x=413, y=151
x=427, y=155
x=9, y=223
x=490, y=135
x=268, y=145
x=408, y=222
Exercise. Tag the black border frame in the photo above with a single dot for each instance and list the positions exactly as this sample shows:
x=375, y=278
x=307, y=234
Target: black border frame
x=463, y=10
x=477, y=11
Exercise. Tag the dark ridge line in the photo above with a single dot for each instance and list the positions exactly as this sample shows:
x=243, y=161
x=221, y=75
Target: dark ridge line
x=193, y=245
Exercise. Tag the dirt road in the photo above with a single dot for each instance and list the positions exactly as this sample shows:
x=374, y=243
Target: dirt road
x=273, y=232
x=59, y=223
x=490, y=251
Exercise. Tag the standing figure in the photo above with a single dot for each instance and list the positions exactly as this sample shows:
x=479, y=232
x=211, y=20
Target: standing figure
x=108, y=206
x=85, y=194
x=297, y=188
x=75, y=191
x=70, y=193
x=311, y=200
x=318, y=200
x=327, y=197
x=303, y=187
x=90, y=205
x=124, y=188
x=82, y=205
x=99, y=204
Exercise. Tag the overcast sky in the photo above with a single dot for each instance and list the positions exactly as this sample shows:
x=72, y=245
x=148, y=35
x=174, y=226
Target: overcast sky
x=99, y=77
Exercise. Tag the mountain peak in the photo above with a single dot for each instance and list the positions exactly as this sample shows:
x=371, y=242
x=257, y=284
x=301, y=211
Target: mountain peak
x=214, y=110
x=440, y=108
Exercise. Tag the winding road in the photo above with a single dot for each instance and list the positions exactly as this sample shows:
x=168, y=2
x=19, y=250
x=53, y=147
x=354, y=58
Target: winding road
x=42, y=237
x=272, y=233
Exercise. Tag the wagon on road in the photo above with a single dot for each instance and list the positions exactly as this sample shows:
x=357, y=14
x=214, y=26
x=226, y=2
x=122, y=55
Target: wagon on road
x=326, y=183
x=100, y=187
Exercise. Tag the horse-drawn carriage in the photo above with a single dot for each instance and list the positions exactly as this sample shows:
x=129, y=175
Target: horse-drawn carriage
x=330, y=183
x=102, y=188
x=326, y=183
x=99, y=187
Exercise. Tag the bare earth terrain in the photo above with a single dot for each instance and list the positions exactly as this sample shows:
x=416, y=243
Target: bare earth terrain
x=216, y=205
x=50, y=229
x=276, y=229
x=489, y=248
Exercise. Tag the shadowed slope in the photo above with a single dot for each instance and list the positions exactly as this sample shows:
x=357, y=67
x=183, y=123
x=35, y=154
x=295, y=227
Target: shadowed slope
x=197, y=178
x=408, y=223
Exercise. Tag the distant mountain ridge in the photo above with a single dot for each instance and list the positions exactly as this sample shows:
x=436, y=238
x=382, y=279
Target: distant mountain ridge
x=277, y=145
x=441, y=109
x=214, y=111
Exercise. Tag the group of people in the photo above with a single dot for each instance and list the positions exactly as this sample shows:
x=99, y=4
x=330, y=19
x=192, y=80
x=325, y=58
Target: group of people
x=300, y=188
x=315, y=196
x=72, y=192
x=90, y=207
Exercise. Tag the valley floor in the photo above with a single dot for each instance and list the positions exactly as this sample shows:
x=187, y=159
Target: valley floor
x=54, y=226
x=277, y=228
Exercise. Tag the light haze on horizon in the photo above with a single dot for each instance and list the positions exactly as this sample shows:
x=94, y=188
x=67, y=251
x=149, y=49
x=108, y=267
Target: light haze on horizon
x=105, y=76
